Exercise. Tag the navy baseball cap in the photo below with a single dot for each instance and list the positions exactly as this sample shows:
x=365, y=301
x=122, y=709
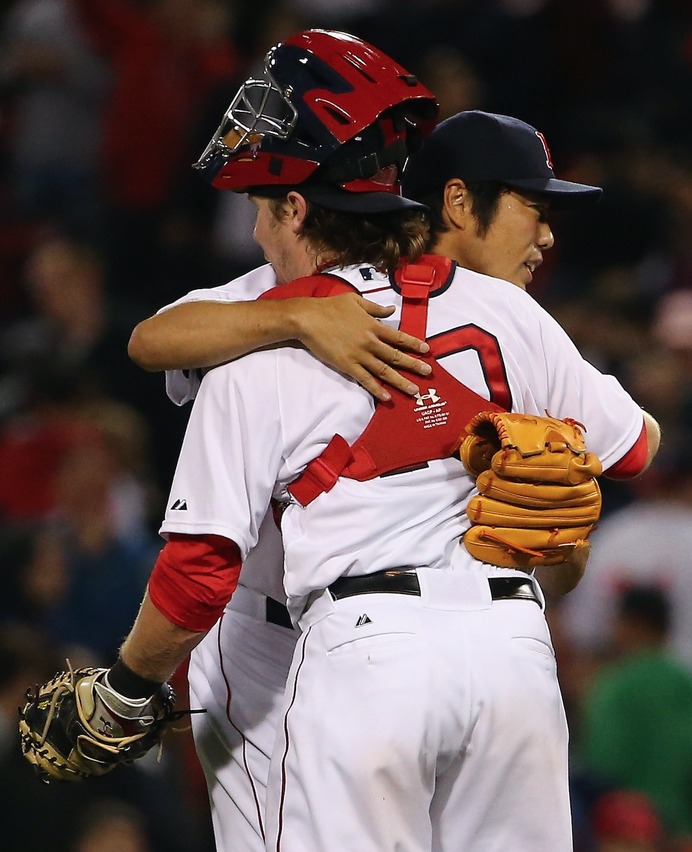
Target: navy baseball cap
x=482, y=146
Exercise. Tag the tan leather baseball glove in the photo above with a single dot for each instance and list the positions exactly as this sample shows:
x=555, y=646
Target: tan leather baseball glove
x=538, y=497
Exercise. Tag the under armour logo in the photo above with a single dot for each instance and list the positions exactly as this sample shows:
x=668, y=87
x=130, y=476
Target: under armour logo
x=363, y=620
x=431, y=395
x=180, y=505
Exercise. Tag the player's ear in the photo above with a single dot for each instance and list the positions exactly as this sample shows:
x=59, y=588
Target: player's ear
x=456, y=203
x=297, y=210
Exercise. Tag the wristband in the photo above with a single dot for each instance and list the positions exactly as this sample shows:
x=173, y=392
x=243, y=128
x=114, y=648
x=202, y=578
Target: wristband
x=123, y=680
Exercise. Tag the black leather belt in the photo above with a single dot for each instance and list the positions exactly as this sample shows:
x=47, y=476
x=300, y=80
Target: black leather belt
x=397, y=580
x=277, y=613
x=512, y=588
x=405, y=582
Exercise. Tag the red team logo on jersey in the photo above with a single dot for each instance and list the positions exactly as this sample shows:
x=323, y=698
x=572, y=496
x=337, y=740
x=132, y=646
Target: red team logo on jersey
x=548, y=158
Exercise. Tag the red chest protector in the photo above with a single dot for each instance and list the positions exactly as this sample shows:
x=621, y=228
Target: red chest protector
x=405, y=432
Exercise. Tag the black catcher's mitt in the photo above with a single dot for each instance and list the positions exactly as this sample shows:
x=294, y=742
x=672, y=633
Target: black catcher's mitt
x=76, y=727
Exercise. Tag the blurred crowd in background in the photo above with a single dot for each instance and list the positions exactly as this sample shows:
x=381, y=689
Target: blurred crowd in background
x=104, y=106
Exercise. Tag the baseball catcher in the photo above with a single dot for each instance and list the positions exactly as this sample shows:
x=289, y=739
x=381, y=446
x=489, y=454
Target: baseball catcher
x=538, y=497
x=76, y=726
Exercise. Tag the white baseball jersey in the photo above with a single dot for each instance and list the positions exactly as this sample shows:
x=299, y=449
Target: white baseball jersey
x=258, y=421
x=256, y=424
x=262, y=568
x=238, y=672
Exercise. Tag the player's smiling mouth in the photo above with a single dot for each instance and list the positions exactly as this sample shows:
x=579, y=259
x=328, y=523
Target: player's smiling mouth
x=532, y=265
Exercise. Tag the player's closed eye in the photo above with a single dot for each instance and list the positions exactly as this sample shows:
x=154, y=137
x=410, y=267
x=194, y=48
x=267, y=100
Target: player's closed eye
x=541, y=210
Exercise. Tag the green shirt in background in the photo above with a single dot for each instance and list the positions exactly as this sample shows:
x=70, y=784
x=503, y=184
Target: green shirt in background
x=637, y=732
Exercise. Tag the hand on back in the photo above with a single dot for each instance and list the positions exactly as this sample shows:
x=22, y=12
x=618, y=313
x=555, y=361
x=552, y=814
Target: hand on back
x=345, y=332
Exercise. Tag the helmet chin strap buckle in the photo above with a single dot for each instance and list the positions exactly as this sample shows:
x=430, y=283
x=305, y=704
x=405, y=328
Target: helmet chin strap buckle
x=381, y=167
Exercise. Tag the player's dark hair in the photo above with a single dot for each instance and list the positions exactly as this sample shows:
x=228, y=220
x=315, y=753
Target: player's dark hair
x=485, y=201
x=647, y=606
x=379, y=239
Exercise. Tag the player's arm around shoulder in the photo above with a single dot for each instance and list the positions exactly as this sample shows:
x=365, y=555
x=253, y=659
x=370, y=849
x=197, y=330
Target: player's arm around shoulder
x=201, y=329
x=344, y=331
x=203, y=334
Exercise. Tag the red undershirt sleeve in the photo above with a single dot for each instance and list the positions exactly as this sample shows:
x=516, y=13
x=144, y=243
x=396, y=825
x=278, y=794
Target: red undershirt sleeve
x=194, y=578
x=632, y=463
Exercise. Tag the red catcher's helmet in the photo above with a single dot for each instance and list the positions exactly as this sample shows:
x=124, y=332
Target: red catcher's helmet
x=320, y=91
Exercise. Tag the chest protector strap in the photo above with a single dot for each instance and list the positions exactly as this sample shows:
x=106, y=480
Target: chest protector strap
x=406, y=432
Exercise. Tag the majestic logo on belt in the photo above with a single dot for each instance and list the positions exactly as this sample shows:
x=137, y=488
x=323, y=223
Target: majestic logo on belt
x=421, y=397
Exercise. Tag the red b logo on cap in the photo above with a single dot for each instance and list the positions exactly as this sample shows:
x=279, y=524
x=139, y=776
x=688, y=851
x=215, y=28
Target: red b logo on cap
x=548, y=158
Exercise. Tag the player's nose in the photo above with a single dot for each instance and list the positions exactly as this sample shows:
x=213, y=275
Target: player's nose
x=546, y=240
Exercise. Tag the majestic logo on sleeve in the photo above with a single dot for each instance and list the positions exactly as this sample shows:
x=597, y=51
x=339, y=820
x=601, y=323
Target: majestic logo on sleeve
x=180, y=505
x=431, y=409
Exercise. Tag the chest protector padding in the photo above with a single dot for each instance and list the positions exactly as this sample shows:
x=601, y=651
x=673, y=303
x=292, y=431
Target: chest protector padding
x=406, y=432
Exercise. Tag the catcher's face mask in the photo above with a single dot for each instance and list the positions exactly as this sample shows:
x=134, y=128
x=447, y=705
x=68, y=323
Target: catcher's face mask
x=258, y=110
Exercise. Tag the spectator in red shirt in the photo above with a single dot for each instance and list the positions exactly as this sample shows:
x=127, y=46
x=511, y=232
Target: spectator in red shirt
x=168, y=58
